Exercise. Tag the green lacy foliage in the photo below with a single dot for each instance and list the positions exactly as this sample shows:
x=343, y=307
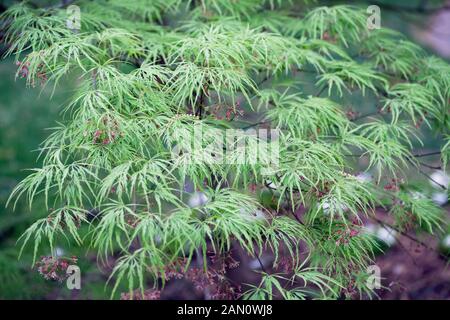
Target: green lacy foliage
x=151, y=71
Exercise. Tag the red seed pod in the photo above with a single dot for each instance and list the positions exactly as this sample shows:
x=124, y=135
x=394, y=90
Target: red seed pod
x=354, y=233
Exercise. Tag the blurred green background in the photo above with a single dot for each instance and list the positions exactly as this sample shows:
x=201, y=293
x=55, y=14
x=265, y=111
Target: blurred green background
x=25, y=114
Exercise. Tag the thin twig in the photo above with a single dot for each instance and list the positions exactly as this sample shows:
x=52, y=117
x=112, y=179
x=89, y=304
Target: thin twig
x=430, y=166
x=433, y=153
x=254, y=125
x=419, y=155
x=260, y=263
x=321, y=91
x=410, y=237
x=365, y=116
x=427, y=175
